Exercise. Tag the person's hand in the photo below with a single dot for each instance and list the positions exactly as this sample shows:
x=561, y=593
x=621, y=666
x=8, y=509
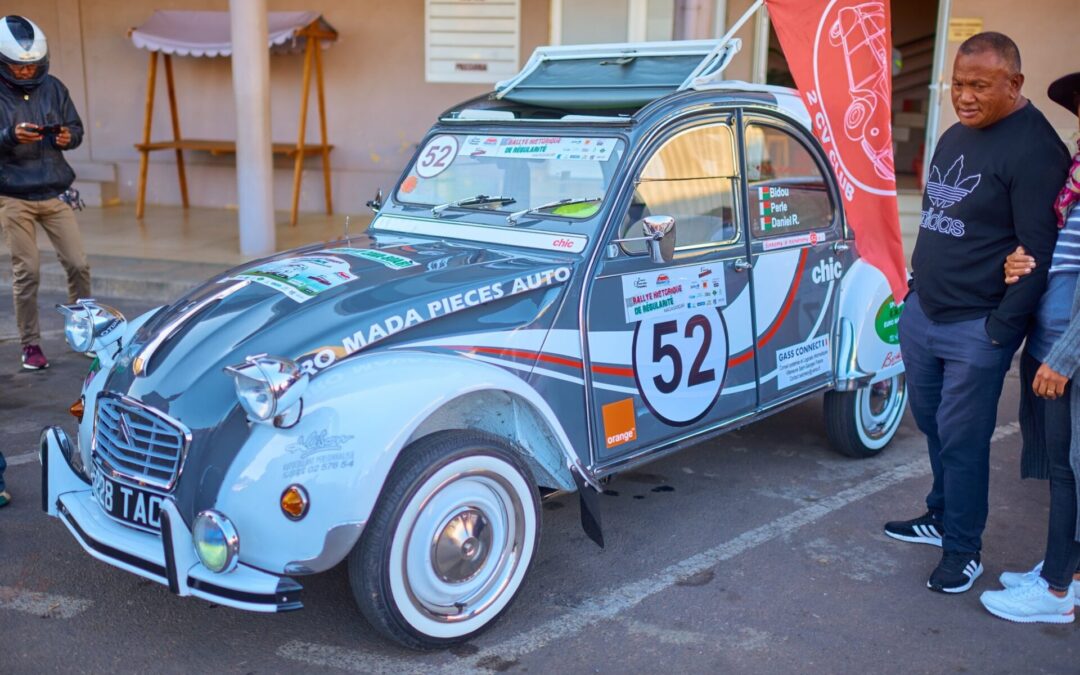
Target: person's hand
x=1018, y=264
x=1048, y=383
x=26, y=133
x=63, y=139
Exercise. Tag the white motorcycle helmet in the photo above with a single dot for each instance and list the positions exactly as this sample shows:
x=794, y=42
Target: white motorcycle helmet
x=22, y=43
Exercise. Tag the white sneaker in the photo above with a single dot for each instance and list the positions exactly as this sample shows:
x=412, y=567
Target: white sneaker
x=1030, y=603
x=1013, y=579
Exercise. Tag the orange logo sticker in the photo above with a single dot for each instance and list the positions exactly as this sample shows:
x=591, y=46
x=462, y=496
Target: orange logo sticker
x=620, y=425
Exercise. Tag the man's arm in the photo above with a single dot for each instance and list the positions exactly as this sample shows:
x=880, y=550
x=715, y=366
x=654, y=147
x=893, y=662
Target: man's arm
x=1038, y=176
x=73, y=123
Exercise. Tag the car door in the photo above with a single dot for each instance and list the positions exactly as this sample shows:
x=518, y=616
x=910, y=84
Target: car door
x=798, y=245
x=670, y=346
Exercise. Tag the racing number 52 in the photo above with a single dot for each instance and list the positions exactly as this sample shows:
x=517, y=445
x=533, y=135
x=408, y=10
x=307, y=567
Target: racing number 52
x=660, y=350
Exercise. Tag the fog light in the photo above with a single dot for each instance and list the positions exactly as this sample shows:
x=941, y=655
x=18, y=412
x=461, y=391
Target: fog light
x=294, y=502
x=216, y=541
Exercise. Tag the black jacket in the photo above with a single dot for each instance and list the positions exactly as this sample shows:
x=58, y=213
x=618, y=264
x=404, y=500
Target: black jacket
x=36, y=171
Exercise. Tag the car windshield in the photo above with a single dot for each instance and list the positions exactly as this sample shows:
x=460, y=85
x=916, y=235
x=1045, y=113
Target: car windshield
x=532, y=177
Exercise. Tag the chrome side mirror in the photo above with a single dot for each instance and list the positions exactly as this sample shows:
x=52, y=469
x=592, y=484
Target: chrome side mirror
x=376, y=204
x=659, y=234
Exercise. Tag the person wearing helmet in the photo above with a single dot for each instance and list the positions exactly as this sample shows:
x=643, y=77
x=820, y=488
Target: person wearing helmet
x=38, y=122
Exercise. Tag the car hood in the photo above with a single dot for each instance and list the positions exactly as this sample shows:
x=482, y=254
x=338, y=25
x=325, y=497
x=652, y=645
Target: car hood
x=371, y=292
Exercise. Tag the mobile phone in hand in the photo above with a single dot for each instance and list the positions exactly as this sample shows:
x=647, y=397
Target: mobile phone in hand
x=49, y=129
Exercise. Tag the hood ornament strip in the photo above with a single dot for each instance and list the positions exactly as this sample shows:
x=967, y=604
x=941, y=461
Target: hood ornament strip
x=142, y=361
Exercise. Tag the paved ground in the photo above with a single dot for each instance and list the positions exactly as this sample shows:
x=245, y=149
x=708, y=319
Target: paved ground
x=760, y=552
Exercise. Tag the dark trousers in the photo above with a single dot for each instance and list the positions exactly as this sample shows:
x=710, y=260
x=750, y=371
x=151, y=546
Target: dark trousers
x=954, y=378
x=3, y=465
x=1053, y=423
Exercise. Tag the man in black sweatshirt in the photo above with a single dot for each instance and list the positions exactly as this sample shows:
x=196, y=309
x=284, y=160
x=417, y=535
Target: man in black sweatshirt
x=993, y=180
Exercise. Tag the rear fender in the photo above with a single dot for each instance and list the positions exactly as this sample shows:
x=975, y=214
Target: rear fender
x=357, y=418
x=869, y=343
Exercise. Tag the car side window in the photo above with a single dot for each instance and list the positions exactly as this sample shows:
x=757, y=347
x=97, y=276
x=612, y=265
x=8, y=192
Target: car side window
x=787, y=190
x=690, y=178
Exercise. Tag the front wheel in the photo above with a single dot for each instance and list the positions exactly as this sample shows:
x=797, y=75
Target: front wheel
x=449, y=542
x=861, y=423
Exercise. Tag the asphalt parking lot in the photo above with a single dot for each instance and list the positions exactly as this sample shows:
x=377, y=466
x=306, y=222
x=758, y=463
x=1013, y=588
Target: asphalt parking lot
x=758, y=552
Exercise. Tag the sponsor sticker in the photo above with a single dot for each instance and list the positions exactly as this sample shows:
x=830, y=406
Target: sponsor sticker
x=324, y=357
x=540, y=147
x=620, y=424
x=316, y=452
x=807, y=239
x=802, y=362
x=302, y=278
x=391, y=260
x=887, y=322
x=673, y=291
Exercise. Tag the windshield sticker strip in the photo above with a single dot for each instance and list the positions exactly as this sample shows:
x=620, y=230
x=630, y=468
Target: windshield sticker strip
x=547, y=241
x=300, y=279
x=324, y=357
x=539, y=147
x=391, y=260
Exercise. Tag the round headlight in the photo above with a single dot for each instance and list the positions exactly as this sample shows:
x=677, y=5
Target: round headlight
x=216, y=541
x=267, y=386
x=79, y=329
x=87, y=321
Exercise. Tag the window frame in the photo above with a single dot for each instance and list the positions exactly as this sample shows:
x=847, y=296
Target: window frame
x=760, y=119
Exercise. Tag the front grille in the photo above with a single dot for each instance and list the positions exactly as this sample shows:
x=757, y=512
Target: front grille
x=138, y=442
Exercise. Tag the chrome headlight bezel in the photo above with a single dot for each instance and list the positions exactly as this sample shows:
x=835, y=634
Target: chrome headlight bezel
x=226, y=543
x=268, y=386
x=88, y=323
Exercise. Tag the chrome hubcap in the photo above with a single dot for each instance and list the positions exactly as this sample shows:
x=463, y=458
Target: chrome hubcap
x=881, y=406
x=462, y=547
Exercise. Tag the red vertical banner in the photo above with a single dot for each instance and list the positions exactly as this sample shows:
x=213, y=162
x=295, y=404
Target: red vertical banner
x=840, y=54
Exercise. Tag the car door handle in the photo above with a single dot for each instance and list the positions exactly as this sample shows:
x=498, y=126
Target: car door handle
x=741, y=265
x=840, y=246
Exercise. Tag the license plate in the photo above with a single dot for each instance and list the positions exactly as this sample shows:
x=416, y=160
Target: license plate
x=127, y=503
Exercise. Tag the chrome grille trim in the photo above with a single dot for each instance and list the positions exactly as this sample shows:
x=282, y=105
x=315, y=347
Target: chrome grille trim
x=139, y=443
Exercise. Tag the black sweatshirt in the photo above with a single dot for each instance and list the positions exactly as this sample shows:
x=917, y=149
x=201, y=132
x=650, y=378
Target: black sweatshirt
x=36, y=171
x=990, y=190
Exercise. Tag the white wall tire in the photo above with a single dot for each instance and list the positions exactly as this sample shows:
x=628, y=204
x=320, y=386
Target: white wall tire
x=861, y=423
x=449, y=542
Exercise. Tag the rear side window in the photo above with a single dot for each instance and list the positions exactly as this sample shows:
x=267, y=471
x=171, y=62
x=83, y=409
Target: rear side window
x=788, y=191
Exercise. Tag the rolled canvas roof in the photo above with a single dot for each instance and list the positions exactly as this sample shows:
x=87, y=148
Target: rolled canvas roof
x=199, y=33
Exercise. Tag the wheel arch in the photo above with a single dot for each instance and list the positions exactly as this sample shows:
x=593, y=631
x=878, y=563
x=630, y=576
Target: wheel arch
x=513, y=418
x=866, y=351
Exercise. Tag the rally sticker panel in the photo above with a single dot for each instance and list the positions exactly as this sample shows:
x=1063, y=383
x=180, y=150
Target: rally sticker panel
x=391, y=260
x=680, y=364
x=300, y=279
x=802, y=362
x=673, y=291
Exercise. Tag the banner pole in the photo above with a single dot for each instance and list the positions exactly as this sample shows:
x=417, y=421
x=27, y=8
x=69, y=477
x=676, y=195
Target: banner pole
x=742, y=20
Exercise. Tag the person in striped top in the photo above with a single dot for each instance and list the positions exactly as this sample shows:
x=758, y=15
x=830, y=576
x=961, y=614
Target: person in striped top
x=1050, y=410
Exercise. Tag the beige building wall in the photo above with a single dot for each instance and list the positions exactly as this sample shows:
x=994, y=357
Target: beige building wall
x=378, y=105
x=1046, y=32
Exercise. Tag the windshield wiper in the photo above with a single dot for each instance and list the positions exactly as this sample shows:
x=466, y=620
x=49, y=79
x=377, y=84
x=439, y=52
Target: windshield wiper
x=470, y=201
x=516, y=215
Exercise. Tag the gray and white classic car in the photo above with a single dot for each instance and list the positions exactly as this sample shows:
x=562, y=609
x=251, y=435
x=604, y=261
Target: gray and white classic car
x=614, y=255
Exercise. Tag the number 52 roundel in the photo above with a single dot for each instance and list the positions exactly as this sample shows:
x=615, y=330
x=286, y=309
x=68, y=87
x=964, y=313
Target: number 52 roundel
x=680, y=363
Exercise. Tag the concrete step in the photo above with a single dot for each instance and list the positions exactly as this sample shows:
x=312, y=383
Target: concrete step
x=157, y=281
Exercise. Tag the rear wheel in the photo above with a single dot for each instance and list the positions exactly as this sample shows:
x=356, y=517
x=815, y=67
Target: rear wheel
x=861, y=423
x=449, y=542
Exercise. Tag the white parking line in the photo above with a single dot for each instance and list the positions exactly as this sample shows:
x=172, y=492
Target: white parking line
x=608, y=604
x=44, y=605
x=25, y=458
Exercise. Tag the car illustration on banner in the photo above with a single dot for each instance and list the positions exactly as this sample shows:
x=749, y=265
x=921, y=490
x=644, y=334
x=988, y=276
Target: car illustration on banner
x=623, y=270
x=861, y=31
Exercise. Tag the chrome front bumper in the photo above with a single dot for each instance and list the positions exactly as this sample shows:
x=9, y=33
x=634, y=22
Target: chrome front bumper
x=167, y=558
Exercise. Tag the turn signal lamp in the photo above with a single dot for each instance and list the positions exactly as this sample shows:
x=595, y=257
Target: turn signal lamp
x=77, y=408
x=294, y=502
